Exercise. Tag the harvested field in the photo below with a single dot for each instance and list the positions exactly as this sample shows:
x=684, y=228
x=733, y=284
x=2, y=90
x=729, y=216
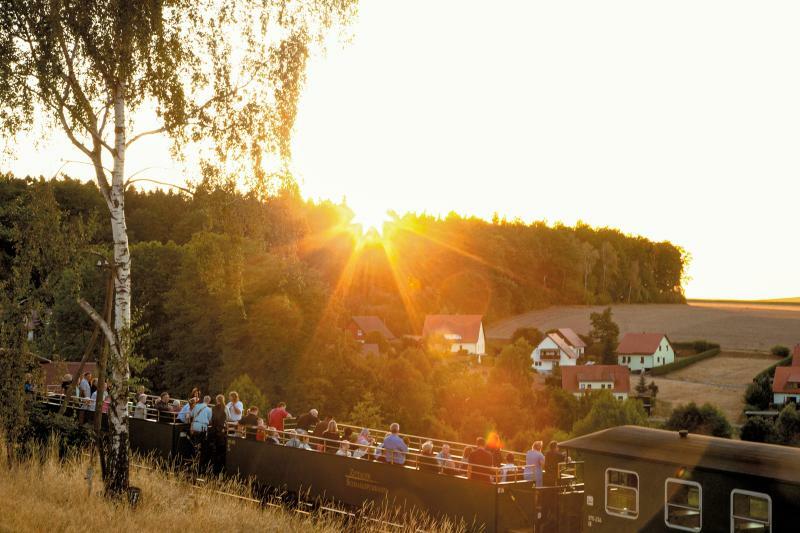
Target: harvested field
x=720, y=380
x=735, y=326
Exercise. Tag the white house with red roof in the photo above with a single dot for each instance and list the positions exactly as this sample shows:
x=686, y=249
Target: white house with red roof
x=562, y=347
x=786, y=384
x=463, y=332
x=583, y=379
x=640, y=351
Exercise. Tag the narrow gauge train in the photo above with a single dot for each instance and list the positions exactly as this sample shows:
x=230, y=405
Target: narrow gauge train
x=620, y=479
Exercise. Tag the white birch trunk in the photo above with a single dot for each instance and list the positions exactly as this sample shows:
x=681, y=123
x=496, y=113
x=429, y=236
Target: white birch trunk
x=118, y=371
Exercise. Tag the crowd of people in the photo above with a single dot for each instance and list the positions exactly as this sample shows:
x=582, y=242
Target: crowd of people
x=210, y=422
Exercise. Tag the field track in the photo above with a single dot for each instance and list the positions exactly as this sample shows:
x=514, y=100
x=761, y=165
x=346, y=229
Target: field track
x=735, y=326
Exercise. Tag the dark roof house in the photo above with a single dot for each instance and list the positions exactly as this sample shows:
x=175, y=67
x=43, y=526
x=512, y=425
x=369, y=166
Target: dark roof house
x=463, y=328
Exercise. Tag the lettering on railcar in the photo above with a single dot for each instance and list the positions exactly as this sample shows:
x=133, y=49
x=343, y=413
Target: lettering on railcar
x=363, y=481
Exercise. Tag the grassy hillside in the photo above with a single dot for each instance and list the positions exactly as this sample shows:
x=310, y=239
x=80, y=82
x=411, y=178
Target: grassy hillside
x=53, y=496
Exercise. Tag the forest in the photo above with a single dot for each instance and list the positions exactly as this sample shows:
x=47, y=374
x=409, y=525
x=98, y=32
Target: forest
x=234, y=290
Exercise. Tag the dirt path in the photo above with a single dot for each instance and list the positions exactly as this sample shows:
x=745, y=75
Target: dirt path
x=734, y=326
x=720, y=380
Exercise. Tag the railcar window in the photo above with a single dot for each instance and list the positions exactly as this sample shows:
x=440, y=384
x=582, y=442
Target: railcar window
x=622, y=493
x=683, y=504
x=750, y=511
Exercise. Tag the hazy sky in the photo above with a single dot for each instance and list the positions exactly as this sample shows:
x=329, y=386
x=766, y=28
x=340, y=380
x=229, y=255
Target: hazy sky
x=677, y=121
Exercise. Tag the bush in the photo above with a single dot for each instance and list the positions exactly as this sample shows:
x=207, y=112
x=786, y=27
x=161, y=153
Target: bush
x=532, y=335
x=759, y=392
x=705, y=420
x=607, y=412
x=759, y=429
x=780, y=351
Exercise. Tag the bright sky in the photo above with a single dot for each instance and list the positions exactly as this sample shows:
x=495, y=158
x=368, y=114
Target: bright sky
x=674, y=120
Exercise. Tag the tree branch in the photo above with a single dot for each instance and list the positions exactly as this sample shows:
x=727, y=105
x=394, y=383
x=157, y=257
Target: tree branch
x=184, y=189
x=135, y=138
x=102, y=324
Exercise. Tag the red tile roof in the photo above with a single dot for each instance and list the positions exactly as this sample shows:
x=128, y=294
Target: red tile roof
x=784, y=377
x=640, y=343
x=370, y=323
x=571, y=337
x=467, y=327
x=571, y=376
x=563, y=345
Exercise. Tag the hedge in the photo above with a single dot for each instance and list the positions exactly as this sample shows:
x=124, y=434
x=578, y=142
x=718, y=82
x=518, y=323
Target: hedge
x=683, y=362
x=771, y=368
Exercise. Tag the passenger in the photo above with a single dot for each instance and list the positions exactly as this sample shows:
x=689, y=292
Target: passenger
x=480, y=462
x=84, y=387
x=249, y=421
x=329, y=436
x=66, y=384
x=294, y=439
x=201, y=417
x=364, y=442
x=140, y=410
x=166, y=411
x=322, y=426
x=185, y=414
x=272, y=436
x=534, y=464
x=446, y=462
x=235, y=408
x=349, y=435
x=93, y=386
x=551, y=460
x=195, y=393
x=106, y=400
x=277, y=415
x=394, y=447
x=260, y=433
x=508, y=470
x=344, y=448
x=427, y=461
x=308, y=421
x=217, y=435
x=463, y=465
x=29, y=386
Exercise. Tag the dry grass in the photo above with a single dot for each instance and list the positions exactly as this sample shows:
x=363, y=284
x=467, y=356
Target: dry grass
x=735, y=326
x=53, y=496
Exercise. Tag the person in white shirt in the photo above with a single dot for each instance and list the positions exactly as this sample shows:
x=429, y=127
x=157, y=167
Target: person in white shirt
x=344, y=448
x=93, y=402
x=140, y=411
x=84, y=387
x=234, y=408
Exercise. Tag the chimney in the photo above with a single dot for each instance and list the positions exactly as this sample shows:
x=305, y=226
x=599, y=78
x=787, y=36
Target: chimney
x=684, y=433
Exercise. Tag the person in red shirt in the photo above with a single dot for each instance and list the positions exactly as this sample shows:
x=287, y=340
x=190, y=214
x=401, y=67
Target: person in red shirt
x=277, y=415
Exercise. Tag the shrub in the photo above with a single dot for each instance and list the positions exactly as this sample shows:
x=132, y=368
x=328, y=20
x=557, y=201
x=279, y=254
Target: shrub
x=759, y=429
x=780, y=351
x=607, y=411
x=683, y=362
x=532, y=335
x=759, y=392
x=706, y=420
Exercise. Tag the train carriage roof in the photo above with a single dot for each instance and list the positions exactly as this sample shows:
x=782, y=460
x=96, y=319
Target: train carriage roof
x=714, y=453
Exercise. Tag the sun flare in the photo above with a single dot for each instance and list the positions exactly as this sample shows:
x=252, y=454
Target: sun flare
x=370, y=218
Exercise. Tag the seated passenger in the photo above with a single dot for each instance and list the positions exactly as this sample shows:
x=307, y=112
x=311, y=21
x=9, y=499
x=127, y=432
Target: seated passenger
x=508, y=470
x=480, y=462
x=304, y=439
x=140, y=410
x=348, y=435
x=185, y=414
x=331, y=437
x=446, y=462
x=166, y=411
x=394, y=447
x=344, y=448
x=308, y=421
x=463, y=465
x=259, y=432
x=272, y=436
x=364, y=442
x=294, y=439
x=426, y=460
x=248, y=422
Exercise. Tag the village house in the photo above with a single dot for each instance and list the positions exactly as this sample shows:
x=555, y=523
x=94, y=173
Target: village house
x=583, y=379
x=361, y=326
x=561, y=348
x=640, y=351
x=786, y=384
x=462, y=332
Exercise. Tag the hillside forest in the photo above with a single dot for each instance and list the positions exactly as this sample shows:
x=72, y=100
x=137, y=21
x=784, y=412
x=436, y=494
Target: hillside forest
x=235, y=290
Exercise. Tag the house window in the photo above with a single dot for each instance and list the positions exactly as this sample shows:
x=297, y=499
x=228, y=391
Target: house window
x=642, y=361
x=683, y=504
x=622, y=493
x=750, y=511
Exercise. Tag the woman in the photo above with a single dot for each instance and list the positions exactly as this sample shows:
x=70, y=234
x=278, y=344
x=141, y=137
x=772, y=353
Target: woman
x=446, y=461
x=331, y=437
x=195, y=393
x=426, y=460
x=344, y=448
x=364, y=442
x=216, y=434
x=140, y=411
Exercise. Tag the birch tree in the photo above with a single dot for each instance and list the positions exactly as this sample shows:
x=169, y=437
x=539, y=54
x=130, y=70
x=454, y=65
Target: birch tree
x=221, y=78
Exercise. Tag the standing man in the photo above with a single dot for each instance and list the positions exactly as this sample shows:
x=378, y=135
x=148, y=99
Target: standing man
x=394, y=448
x=277, y=415
x=235, y=408
x=85, y=387
x=534, y=463
x=308, y=421
x=551, y=460
x=480, y=462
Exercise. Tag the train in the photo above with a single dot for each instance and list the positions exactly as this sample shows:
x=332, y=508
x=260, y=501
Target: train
x=621, y=479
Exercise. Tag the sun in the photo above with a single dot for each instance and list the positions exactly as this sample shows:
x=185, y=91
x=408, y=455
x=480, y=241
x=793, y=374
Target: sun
x=370, y=218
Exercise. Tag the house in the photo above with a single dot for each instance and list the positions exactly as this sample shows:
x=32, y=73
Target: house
x=586, y=378
x=53, y=371
x=361, y=326
x=640, y=351
x=462, y=332
x=557, y=350
x=786, y=384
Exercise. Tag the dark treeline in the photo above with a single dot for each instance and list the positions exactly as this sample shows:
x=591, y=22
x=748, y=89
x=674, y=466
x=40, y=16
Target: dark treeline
x=230, y=290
